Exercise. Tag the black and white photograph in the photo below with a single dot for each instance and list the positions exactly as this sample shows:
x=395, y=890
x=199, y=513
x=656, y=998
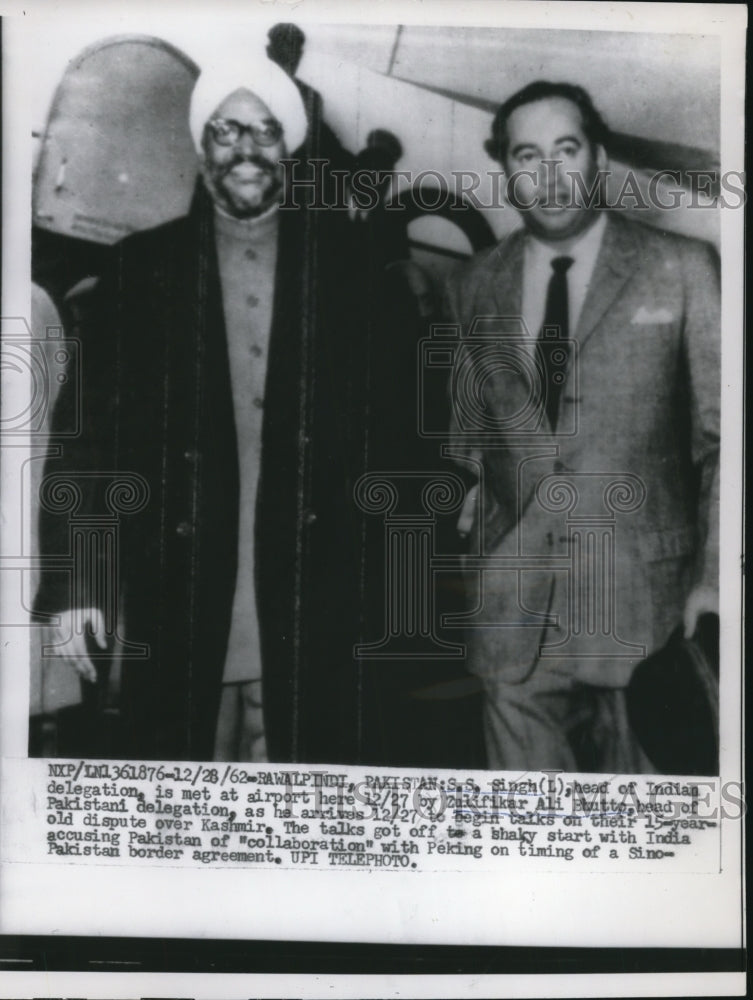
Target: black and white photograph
x=372, y=426
x=271, y=526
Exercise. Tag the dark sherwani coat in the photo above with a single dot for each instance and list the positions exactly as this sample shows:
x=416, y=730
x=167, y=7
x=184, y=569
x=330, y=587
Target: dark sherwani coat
x=156, y=400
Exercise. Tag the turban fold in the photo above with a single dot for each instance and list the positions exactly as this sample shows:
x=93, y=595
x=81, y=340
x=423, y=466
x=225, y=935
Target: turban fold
x=263, y=78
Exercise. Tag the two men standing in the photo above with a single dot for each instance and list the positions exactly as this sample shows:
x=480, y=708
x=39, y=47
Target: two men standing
x=223, y=364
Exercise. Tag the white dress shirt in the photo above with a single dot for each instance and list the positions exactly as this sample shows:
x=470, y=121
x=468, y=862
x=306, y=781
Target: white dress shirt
x=537, y=270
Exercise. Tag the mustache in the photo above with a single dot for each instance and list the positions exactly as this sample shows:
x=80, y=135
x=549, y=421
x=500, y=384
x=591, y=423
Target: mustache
x=260, y=162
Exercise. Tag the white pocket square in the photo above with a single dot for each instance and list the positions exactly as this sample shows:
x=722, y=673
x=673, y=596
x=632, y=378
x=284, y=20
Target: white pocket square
x=660, y=315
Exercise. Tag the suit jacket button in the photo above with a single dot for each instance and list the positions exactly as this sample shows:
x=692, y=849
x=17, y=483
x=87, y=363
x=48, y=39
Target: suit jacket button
x=183, y=529
x=309, y=517
x=190, y=454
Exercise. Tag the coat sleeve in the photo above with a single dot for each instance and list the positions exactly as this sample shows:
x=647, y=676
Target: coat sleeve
x=702, y=346
x=81, y=446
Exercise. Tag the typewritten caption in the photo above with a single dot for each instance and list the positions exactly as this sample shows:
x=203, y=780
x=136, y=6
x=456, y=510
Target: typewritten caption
x=249, y=816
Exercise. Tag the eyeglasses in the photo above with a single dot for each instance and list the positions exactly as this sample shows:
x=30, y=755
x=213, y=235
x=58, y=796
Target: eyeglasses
x=227, y=131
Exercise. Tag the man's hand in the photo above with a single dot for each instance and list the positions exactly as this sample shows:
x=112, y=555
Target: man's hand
x=701, y=600
x=71, y=644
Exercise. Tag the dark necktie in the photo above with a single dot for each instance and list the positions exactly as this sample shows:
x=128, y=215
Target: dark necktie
x=553, y=337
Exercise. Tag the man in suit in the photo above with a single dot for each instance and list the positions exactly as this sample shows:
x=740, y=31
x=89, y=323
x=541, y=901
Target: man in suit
x=586, y=396
x=215, y=363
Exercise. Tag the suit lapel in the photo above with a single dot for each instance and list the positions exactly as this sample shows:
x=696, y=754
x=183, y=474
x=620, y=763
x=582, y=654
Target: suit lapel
x=614, y=266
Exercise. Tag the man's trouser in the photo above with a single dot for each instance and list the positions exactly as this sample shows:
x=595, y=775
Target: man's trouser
x=552, y=721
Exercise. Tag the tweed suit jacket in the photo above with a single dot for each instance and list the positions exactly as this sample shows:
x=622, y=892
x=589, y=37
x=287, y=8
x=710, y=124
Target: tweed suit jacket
x=586, y=542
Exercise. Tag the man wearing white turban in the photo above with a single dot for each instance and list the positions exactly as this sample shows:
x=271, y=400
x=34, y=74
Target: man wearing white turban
x=263, y=78
x=219, y=368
